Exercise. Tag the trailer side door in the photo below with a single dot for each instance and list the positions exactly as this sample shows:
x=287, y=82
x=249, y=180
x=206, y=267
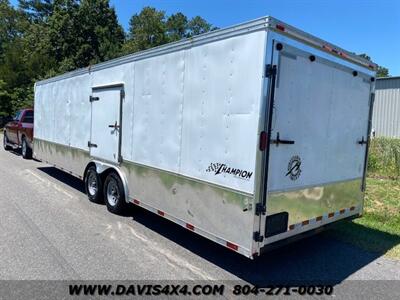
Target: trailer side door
x=105, y=141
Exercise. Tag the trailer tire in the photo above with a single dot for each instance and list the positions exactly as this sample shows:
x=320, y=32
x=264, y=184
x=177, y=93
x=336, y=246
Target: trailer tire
x=26, y=150
x=5, y=142
x=114, y=194
x=94, y=185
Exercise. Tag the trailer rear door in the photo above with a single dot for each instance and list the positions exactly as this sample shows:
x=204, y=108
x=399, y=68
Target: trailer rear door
x=319, y=129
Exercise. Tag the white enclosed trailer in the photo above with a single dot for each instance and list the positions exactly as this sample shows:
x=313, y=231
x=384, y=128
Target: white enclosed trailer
x=248, y=135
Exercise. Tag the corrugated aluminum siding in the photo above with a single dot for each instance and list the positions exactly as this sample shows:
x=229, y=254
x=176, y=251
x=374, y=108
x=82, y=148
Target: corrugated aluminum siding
x=386, y=116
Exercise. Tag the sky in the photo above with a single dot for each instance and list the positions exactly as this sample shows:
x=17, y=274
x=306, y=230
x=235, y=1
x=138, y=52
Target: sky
x=361, y=26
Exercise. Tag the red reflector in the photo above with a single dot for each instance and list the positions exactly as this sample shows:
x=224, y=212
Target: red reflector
x=291, y=227
x=327, y=48
x=232, y=246
x=306, y=222
x=263, y=140
x=161, y=213
x=189, y=226
x=280, y=27
x=137, y=202
x=352, y=208
x=319, y=218
x=331, y=215
x=342, y=211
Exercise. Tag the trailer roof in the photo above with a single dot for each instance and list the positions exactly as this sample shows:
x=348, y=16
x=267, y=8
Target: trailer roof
x=263, y=23
x=388, y=78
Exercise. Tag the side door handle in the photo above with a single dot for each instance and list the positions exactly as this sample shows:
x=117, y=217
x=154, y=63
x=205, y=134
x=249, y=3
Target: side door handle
x=115, y=126
x=278, y=141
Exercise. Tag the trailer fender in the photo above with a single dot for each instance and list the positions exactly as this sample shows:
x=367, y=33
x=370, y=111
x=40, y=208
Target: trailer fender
x=101, y=167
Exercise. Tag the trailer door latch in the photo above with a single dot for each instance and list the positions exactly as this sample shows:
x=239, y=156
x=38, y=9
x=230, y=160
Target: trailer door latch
x=258, y=237
x=90, y=145
x=278, y=141
x=362, y=142
x=92, y=99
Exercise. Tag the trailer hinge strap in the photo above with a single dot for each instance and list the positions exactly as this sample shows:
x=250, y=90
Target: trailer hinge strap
x=260, y=209
x=92, y=99
x=258, y=237
x=270, y=70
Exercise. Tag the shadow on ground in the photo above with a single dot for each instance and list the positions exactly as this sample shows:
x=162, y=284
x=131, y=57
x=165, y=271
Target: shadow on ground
x=65, y=178
x=317, y=259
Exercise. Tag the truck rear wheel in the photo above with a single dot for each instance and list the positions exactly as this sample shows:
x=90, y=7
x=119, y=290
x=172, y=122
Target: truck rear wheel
x=114, y=194
x=5, y=142
x=26, y=150
x=94, y=185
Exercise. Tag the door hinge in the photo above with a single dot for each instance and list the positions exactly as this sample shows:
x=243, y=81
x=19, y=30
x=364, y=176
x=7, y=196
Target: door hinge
x=122, y=94
x=90, y=145
x=258, y=237
x=92, y=99
x=260, y=209
x=270, y=70
x=362, y=142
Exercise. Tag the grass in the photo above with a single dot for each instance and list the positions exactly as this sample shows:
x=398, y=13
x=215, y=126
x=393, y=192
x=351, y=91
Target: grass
x=384, y=158
x=378, y=230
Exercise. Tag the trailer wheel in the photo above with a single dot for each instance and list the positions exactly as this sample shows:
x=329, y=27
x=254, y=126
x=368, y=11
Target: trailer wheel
x=114, y=194
x=26, y=151
x=5, y=143
x=93, y=185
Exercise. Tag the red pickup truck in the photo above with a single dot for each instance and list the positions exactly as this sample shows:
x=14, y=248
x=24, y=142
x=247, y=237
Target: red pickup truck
x=18, y=134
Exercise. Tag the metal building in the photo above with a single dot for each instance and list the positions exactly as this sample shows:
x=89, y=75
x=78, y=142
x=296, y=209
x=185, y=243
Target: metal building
x=386, y=117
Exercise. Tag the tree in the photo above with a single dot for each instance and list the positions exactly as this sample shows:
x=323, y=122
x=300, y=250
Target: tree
x=43, y=38
x=99, y=35
x=177, y=27
x=152, y=28
x=37, y=10
x=8, y=24
x=380, y=71
x=198, y=25
x=146, y=30
x=12, y=65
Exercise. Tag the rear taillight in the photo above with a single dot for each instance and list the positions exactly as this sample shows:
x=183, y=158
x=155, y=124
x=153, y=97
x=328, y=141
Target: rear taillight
x=263, y=140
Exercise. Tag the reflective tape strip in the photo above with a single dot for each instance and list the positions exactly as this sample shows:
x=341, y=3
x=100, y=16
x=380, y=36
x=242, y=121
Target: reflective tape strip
x=306, y=222
x=321, y=218
x=191, y=227
x=232, y=246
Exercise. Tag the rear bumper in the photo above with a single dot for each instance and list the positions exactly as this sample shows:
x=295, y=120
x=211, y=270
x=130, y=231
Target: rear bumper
x=315, y=224
x=301, y=234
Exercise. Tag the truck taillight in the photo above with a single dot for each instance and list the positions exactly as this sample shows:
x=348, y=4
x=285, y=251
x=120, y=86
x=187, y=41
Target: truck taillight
x=280, y=27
